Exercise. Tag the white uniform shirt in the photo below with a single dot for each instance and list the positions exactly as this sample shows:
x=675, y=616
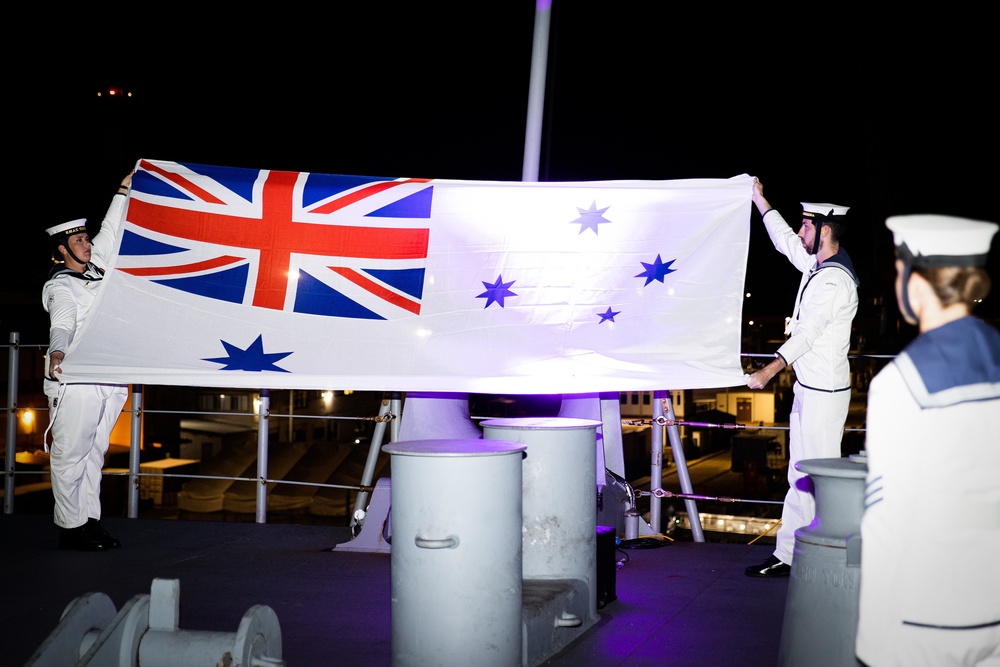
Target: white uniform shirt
x=931, y=527
x=67, y=296
x=827, y=301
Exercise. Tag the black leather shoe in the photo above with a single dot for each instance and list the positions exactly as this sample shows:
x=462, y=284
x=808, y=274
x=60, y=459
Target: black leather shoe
x=772, y=567
x=97, y=531
x=79, y=539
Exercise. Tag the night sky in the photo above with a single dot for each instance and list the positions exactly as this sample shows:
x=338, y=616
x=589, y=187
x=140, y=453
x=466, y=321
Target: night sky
x=886, y=115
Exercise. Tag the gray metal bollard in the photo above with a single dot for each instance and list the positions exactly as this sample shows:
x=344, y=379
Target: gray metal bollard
x=456, y=553
x=821, y=607
x=559, y=531
x=560, y=496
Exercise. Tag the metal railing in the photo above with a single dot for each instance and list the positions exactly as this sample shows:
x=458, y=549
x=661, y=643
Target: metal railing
x=665, y=429
x=387, y=416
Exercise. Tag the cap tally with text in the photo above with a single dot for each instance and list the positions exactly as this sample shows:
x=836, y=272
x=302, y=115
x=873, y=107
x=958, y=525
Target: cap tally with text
x=63, y=231
x=941, y=240
x=810, y=210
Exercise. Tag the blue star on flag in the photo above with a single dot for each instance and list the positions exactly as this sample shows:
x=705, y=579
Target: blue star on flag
x=496, y=291
x=251, y=359
x=608, y=315
x=655, y=271
x=590, y=218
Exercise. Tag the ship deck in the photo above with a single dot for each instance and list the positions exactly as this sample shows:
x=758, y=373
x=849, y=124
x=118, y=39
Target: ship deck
x=682, y=603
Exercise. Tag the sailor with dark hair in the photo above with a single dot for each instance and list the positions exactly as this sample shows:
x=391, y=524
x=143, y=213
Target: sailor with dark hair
x=930, y=531
x=819, y=338
x=81, y=416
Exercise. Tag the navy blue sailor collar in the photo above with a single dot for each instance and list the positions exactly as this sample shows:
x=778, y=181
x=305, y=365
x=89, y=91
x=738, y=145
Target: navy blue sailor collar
x=840, y=260
x=92, y=272
x=954, y=363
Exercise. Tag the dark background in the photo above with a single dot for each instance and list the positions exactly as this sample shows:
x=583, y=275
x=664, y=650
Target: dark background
x=888, y=114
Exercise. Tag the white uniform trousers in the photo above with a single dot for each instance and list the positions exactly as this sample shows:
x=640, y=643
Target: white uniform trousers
x=82, y=418
x=815, y=430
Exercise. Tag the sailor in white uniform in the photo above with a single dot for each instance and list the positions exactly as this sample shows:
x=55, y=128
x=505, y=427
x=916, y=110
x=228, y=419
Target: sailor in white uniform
x=819, y=338
x=81, y=416
x=930, y=554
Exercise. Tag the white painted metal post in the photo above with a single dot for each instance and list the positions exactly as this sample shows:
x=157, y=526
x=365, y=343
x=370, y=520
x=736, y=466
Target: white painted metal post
x=391, y=408
x=12, y=371
x=134, y=450
x=263, y=431
x=536, y=92
x=656, y=463
x=680, y=460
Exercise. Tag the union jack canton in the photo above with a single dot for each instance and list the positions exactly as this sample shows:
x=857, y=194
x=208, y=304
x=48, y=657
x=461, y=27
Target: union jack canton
x=319, y=244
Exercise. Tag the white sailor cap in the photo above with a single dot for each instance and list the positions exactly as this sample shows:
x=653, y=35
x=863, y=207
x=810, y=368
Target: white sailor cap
x=61, y=232
x=941, y=240
x=810, y=210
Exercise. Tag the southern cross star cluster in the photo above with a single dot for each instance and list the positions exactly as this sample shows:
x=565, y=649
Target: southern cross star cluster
x=253, y=358
x=590, y=218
